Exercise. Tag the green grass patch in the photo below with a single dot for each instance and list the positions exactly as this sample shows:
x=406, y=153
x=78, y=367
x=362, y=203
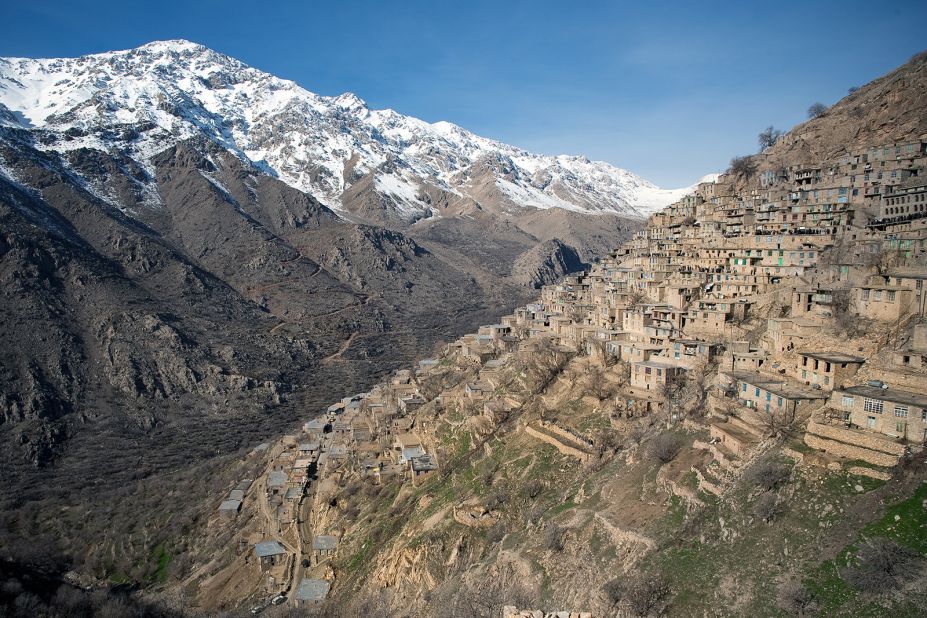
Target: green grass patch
x=162, y=557
x=557, y=510
x=910, y=527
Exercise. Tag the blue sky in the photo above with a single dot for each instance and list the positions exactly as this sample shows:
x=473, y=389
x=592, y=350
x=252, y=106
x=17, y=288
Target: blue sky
x=669, y=90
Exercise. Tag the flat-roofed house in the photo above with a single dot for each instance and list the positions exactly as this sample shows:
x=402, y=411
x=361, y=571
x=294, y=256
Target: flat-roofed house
x=653, y=375
x=886, y=410
x=323, y=545
x=408, y=446
x=229, y=509
x=768, y=393
x=276, y=482
x=422, y=467
x=269, y=553
x=311, y=592
x=826, y=369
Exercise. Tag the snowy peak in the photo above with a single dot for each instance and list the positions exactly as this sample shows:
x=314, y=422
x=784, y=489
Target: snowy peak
x=167, y=91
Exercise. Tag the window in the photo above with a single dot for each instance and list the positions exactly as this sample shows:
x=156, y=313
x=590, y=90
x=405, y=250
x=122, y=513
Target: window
x=901, y=411
x=846, y=401
x=757, y=391
x=900, y=426
x=864, y=294
x=891, y=296
x=743, y=387
x=872, y=405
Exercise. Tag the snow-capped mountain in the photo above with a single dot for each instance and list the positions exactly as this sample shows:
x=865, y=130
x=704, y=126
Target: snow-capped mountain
x=141, y=101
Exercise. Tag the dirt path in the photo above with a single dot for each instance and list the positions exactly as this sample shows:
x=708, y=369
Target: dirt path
x=342, y=349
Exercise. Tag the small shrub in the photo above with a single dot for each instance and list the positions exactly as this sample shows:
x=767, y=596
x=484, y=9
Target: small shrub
x=555, y=538
x=767, y=507
x=497, y=500
x=532, y=489
x=641, y=594
x=795, y=599
x=614, y=591
x=496, y=533
x=767, y=474
x=665, y=447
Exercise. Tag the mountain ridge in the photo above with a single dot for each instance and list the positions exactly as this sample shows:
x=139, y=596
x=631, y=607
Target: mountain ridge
x=138, y=101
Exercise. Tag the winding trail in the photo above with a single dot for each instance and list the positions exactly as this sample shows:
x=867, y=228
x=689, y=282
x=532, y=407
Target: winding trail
x=342, y=349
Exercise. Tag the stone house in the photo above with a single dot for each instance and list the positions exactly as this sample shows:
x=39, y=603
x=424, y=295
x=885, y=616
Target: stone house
x=269, y=554
x=883, y=303
x=276, y=482
x=229, y=509
x=407, y=446
x=420, y=467
x=771, y=394
x=812, y=302
x=653, y=375
x=689, y=352
x=889, y=411
x=826, y=369
x=311, y=592
x=323, y=546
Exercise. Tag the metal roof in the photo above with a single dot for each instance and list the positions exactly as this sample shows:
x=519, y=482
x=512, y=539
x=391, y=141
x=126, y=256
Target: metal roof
x=268, y=548
x=324, y=542
x=313, y=590
x=888, y=394
x=230, y=505
x=277, y=478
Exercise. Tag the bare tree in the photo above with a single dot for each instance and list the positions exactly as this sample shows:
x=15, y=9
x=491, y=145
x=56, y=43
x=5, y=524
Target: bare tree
x=768, y=137
x=767, y=474
x=817, y=110
x=484, y=597
x=780, y=422
x=882, y=564
x=665, y=447
x=743, y=166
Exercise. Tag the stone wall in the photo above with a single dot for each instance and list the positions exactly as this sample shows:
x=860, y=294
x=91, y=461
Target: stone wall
x=557, y=444
x=857, y=438
x=841, y=449
x=873, y=474
x=510, y=611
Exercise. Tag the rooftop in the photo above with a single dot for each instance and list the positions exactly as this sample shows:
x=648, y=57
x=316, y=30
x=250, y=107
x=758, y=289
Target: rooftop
x=893, y=395
x=833, y=357
x=324, y=542
x=277, y=478
x=312, y=590
x=230, y=505
x=268, y=548
x=424, y=463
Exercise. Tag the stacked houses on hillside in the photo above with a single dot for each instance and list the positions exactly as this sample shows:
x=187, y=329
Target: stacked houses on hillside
x=797, y=250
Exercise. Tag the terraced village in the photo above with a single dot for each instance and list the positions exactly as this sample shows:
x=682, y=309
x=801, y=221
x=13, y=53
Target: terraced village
x=754, y=359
